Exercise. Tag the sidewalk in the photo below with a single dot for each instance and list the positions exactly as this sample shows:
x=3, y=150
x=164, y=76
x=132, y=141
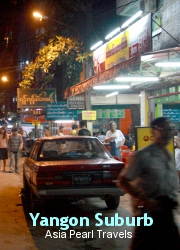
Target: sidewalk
x=21, y=160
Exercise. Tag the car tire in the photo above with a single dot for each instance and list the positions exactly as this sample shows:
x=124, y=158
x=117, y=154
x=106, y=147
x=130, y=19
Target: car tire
x=113, y=202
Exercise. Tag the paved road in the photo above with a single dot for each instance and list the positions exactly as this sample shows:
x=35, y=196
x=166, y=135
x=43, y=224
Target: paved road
x=18, y=233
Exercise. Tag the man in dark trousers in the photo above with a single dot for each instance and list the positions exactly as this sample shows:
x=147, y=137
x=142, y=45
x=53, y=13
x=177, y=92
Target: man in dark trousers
x=83, y=130
x=15, y=144
x=151, y=180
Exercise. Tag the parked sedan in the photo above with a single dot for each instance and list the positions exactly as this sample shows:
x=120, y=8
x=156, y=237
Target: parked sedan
x=71, y=167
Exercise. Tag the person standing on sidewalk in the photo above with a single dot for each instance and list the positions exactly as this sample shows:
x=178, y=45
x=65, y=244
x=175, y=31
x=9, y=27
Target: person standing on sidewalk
x=3, y=148
x=115, y=138
x=83, y=131
x=151, y=180
x=15, y=144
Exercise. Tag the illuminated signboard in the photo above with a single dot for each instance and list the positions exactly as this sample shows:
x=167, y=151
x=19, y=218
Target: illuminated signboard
x=129, y=43
x=144, y=137
x=89, y=115
x=27, y=98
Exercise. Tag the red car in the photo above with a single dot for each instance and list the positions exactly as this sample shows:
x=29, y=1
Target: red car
x=71, y=167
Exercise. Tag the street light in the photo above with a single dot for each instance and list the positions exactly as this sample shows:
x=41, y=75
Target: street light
x=5, y=79
x=40, y=16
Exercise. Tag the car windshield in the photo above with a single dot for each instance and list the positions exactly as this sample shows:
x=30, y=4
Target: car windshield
x=72, y=148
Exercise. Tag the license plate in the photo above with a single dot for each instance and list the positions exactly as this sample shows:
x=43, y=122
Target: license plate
x=81, y=179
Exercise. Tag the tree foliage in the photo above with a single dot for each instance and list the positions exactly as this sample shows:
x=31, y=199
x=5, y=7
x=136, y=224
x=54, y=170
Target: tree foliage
x=63, y=51
x=59, y=50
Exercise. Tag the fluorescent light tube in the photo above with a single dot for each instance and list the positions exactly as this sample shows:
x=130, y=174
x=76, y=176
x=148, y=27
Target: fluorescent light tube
x=136, y=79
x=168, y=64
x=101, y=87
x=64, y=121
x=96, y=45
x=138, y=14
x=110, y=35
x=112, y=94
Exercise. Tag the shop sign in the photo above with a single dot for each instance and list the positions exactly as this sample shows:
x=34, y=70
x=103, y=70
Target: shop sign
x=110, y=113
x=35, y=97
x=144, y=137
x=36, y=123
x=172, y=114
x=129, y=43
x=59, y=111
x=76, y=102
x=89, y=115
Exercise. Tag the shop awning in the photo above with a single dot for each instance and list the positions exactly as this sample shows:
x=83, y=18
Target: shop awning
x=141, y=65
x=127, y=66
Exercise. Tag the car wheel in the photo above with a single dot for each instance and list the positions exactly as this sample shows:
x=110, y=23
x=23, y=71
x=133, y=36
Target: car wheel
x=113, y=202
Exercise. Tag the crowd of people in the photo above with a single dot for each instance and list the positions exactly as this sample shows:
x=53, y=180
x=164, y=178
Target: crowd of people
x=16, y=143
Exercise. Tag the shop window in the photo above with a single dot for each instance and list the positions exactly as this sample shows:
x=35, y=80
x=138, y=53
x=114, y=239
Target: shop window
x=172, y=89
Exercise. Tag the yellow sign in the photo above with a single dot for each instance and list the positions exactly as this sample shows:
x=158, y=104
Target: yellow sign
x=36, y=123
x=117, y=50
x=88, y=115
x=144, y=137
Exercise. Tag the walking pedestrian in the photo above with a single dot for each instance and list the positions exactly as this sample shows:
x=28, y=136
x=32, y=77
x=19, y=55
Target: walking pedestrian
x=151, y=179
x=116, y=139
x=24, y=137
x=3, y=148
x=15, y=144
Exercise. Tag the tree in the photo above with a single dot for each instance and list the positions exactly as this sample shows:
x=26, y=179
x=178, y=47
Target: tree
x=58, y=64
x=59, y=50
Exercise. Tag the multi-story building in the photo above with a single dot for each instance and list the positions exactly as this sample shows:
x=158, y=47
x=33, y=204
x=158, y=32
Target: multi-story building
x=155, y=37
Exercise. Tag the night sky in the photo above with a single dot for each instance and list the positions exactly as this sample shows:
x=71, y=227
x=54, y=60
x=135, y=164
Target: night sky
x=16, y=23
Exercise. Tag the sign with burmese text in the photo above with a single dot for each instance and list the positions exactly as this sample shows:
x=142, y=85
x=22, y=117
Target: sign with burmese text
x=31, y=98
x=129, y=43
x=88, y=115
x=59, y=111
x=172, y=114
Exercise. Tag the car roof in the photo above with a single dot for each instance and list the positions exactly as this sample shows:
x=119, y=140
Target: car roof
x=64, y=137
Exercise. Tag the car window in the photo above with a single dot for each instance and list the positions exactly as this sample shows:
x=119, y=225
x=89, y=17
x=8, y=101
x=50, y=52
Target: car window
x=35, y=150
x=70, y=148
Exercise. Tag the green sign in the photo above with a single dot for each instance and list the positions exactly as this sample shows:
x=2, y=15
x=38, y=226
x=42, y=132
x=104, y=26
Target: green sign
x=35, y=97
x=110, y=113
x=59, y=111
